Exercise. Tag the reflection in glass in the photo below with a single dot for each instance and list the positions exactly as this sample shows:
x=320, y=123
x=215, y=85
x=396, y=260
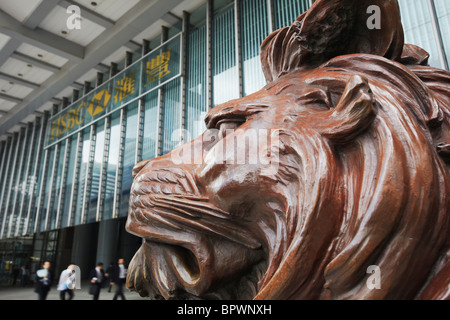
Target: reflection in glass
x=111, y=168
x=129, y=156
x=96, y=171
x=417, y=24
x=150, y=126
x=86, y=145
x=254, y=29
x=171, y=134
x=196, y=104
x=224, y=68
x=69, y=181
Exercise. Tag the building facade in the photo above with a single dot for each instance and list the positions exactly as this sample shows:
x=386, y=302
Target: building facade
x=65, y=178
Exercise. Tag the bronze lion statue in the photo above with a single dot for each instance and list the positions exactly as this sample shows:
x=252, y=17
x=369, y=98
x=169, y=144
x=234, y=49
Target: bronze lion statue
x=353, y=145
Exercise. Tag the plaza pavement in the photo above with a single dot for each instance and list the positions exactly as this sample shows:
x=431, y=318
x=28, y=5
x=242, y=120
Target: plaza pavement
x=19, y=293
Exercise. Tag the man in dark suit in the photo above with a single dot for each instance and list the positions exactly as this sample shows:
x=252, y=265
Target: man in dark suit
x=97, y=278
x=118, y=278
x=43, y=281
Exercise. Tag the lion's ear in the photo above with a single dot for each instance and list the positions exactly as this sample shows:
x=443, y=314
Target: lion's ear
x=353, y=114
x=332, y=28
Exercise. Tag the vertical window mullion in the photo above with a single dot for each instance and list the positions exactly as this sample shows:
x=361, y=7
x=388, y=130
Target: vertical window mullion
x=118, y=180
x=53, y=178
x=88, y=175
x=11, y=184
x=35, y=177
x=62, y=189
x=25, y=188
x=19, y=185
x=103, y=172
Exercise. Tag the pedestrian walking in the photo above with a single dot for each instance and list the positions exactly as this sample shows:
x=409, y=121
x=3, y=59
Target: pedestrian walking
x=97, y=278
x=24, y=275
x=43, y=281
x=66, y=283
x=118, y=278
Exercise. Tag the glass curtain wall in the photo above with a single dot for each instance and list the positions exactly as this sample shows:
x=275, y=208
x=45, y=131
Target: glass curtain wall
x=83, y=165
x=150, y=132
x=286, y=11
x=224, y=65
x=129, y=156
x=443, y=15
x=96, y=171
x=196, y=86
x=418, y=27
x=69, y=182
x=254, y=29
x=111, y=166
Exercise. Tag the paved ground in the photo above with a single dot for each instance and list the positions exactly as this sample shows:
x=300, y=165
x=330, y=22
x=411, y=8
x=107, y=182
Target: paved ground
x=19, y=293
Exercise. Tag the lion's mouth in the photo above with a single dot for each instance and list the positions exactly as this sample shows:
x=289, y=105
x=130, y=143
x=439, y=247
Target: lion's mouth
x=172, y=272
x=191, y=246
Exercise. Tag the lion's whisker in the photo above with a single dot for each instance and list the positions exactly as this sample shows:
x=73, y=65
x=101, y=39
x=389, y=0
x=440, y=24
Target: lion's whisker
x=193, y=204
x=205, y=223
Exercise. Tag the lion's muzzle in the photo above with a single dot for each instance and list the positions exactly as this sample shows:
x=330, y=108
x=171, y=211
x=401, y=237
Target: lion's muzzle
x=190, y=245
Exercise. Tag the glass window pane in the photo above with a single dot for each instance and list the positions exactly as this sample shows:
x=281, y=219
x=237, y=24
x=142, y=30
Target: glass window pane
x=129, y=156
x=111, y=168
x=254, y=29
x=196, y=73
x=86, y=145
x=46, y=191
x=418, y=28
x=14, y=188
x=224, y=68
x=35, y=186
x=286, y=11
x=96, y=171
x=65, y=214
x=150, y=126
x=443, y=13
x=171, y=134
x=57, y=186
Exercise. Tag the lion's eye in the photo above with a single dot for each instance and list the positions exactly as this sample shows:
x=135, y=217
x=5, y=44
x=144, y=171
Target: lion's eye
x=227, y=126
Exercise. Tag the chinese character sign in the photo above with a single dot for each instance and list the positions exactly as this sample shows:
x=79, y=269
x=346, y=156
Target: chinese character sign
x=126, y=86
x=158, y=68
x=162, y=65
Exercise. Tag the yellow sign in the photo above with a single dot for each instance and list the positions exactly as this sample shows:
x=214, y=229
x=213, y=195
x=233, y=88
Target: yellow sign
x=158, y=67
x=97, y=104
x=125, y=87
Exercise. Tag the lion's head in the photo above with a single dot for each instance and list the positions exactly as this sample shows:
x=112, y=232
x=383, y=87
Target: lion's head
x=351, y=139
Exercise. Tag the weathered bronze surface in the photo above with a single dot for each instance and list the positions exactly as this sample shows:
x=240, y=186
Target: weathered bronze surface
x=356, y=174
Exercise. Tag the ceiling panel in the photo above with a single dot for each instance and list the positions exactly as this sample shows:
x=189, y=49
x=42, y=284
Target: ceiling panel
x=42, y=55
x=3, y=40
x=14, y=90
x=56, y=23
x=22, y=70
x=67, y=92
x=45, y=107
x=6, y=105
x=151, y=32
x=117, y=56
x=19, y=9
x=30, y=118
x=90, y=76
x=111, y=9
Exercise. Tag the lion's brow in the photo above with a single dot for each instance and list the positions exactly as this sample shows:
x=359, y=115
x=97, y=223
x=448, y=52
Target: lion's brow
x=239, y=113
